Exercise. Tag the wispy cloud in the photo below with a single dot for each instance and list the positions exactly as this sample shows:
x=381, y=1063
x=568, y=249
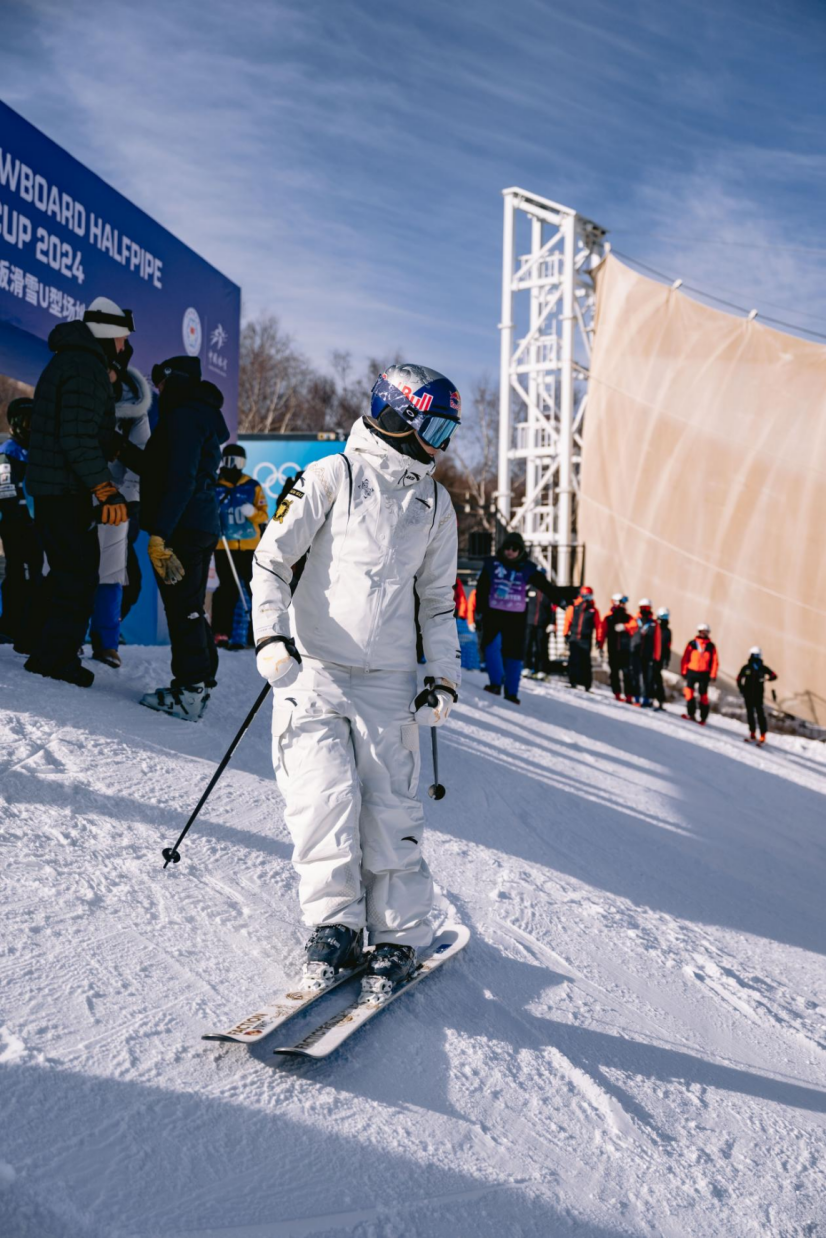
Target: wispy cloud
x=343, y=160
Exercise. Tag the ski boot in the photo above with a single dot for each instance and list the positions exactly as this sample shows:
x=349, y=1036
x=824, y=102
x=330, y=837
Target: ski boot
x=329, y=949
x=512, y=697
x=179, y=701
x=762, y=739
x=390, y=964
x=750, y=738
x=496, y=689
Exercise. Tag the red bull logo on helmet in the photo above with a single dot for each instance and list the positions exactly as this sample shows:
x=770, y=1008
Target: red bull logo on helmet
x=422, y=403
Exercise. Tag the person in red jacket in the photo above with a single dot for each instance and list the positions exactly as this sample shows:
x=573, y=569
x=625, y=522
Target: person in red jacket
x=582, y=621
x=615, y=635
x=699, y=665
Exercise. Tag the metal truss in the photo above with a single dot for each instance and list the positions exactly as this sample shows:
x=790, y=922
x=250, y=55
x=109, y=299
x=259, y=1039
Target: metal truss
x=543, y=389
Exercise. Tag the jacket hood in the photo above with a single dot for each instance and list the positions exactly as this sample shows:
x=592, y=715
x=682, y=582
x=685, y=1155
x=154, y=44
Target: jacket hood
x=210, y=394
x=131, y=405
x=179, y=392
x=75, y=335
x=399, y=470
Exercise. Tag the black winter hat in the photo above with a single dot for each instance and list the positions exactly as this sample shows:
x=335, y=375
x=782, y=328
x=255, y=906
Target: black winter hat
x=188, y=368
x=514, y=541
x=19, y=414
x=234, y=449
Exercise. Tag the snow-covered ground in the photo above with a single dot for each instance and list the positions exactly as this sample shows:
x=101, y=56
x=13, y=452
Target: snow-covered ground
x=632, y=1044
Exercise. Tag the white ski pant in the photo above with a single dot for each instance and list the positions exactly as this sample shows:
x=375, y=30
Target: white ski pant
x=346, y=757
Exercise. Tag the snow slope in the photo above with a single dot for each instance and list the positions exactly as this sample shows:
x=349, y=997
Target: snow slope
x=632, y=1044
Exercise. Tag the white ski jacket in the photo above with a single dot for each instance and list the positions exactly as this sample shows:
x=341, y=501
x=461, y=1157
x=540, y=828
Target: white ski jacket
x=376, y=525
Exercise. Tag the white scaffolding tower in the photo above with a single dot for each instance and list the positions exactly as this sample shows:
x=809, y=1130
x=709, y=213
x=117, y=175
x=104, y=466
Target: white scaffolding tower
x=544, y=373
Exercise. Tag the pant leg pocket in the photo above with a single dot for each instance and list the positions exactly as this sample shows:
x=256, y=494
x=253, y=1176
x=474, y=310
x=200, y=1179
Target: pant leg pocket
x=282, y=716
x=410, y=742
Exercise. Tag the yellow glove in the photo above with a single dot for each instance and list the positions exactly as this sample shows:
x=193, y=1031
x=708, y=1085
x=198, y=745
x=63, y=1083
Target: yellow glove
x=165, y=562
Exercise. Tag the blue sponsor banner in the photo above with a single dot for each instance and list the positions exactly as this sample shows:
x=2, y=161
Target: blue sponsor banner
x=272, y=459
x=67, y=237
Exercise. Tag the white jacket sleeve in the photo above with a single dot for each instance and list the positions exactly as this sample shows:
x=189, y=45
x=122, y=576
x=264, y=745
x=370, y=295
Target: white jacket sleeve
x=287, y=537
x=434, y=585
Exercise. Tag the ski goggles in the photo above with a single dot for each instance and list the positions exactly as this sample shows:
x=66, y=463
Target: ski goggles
x=234, y=462
x=433, y=428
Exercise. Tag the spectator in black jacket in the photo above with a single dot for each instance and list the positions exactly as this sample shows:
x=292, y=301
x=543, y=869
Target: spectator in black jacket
x=664, y=660
x=21, y=545
x=501, y=608
x=179, y=509
x=72, y=436
x=753, y=675
x=541, y=617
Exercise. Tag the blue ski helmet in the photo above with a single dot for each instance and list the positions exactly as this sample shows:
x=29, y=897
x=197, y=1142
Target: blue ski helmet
x=424, y=399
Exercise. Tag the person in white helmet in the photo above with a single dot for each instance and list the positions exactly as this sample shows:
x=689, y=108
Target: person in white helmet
x=752, y=677
x=699, y=665
x=379, y=534
x=615, y=638
x=72, y=439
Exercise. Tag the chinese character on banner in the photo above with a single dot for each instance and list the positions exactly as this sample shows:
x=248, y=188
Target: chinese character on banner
x=68, y=306
x=56, y=302
x=32, y=285
x=16, y=281
x=80, y=309
x=4, y=275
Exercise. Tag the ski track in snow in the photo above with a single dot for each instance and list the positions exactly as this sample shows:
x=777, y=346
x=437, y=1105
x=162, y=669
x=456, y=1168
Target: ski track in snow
x=633, y=1043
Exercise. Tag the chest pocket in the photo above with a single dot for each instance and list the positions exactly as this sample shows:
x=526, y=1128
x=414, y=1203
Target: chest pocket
x=415, y=518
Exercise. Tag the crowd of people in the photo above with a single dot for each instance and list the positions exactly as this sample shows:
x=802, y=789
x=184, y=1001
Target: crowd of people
x=84, y=451
x=514, y=610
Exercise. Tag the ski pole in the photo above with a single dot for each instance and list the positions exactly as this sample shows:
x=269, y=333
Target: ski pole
x=241, y=593
x=172, y=854
x=435, y=791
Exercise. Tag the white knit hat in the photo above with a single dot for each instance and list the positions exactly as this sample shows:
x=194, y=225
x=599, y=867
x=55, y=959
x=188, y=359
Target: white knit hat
x=107, y=321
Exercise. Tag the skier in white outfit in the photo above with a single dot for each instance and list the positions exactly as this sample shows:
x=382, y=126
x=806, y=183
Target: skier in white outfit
x=378, y=532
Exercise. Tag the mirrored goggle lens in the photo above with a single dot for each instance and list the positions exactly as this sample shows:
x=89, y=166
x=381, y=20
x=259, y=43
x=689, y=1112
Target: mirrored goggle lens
x=435, y=431
x=234, y=462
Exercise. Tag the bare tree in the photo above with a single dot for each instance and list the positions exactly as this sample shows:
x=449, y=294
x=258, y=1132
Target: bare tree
x=476, y=447
x=273, y=379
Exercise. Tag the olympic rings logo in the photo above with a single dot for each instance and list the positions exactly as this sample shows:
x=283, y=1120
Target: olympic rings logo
x=272, y=477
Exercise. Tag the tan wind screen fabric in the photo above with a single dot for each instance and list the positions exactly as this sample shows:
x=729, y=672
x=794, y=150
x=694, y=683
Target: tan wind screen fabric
x=704, y=478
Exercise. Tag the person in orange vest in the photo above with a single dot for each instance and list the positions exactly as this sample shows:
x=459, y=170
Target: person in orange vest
x=582, y=621
x=471, y=610
x=648, y=650
x=699, y=665
x=459, y=600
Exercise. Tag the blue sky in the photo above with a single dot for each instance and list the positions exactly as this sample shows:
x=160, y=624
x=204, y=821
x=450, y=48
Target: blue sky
x=342, y=160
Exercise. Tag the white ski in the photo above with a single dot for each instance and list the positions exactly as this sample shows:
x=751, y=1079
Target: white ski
x=267, y=1018
x=328, y=1036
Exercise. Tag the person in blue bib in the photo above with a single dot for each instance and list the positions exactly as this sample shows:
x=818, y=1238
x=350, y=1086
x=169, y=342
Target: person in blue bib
x=501, y=609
